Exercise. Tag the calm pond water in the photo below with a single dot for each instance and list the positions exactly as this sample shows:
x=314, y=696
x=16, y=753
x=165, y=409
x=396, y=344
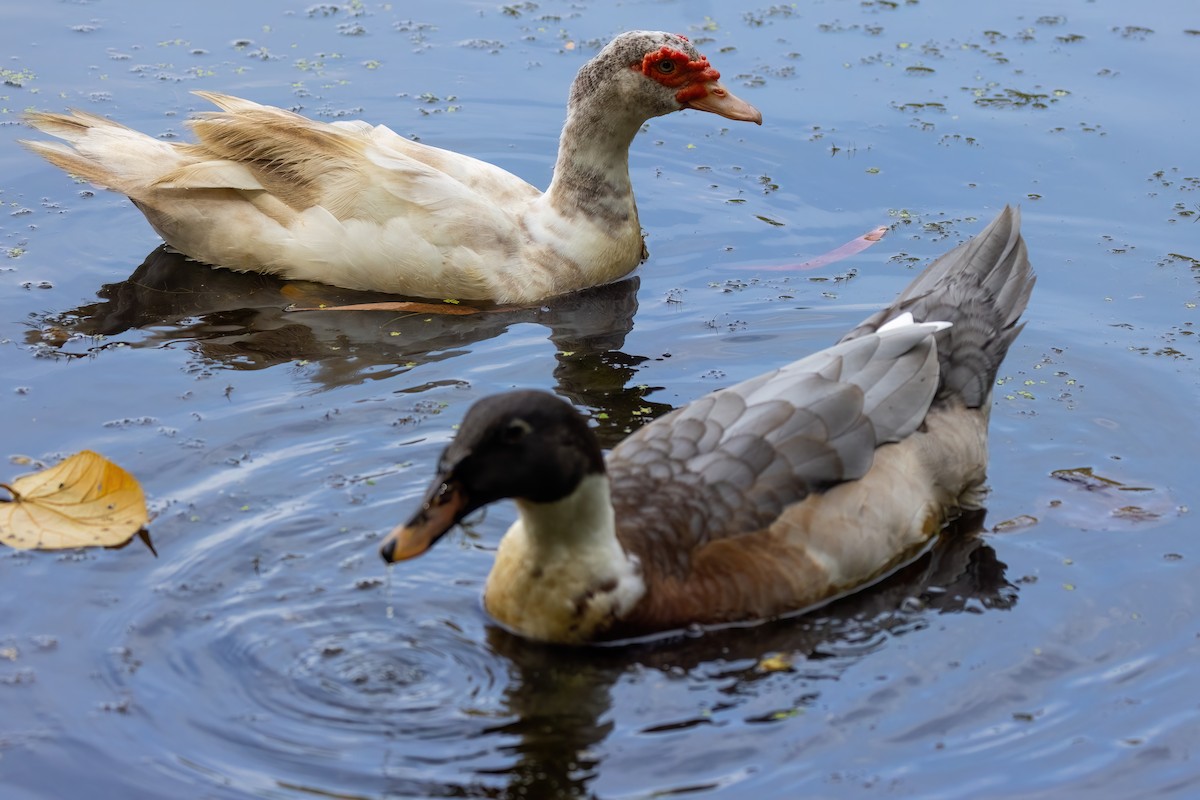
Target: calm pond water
x=1046, y=650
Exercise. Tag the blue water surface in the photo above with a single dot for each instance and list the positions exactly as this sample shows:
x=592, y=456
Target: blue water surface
x=1045, y=650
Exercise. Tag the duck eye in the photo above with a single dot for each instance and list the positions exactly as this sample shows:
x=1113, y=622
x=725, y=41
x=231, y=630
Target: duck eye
x=515, y=431
x=666, y=66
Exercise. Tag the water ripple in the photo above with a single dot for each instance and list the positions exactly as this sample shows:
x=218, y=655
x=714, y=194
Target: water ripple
x=286, y=647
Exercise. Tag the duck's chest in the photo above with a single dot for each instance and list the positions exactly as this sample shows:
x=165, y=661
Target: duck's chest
x=559, y=594
x=578, y=251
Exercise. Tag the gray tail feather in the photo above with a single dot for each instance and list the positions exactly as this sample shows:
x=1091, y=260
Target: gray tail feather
x=981, y=287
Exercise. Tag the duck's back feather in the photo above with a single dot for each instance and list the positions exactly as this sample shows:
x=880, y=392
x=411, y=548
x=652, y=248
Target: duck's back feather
x=306, y=163
x=730, y=463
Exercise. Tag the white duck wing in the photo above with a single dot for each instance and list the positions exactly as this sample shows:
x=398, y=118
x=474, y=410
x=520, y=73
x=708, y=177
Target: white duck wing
x=481, y=177
x=382, y=143
x=353, y=170
x=349, y=195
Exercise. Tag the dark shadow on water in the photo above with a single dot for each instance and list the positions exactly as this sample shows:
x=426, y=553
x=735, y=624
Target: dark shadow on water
x=241, y=321
x=559, y=698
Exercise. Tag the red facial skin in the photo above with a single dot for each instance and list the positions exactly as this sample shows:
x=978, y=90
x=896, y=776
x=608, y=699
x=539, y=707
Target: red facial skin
x=696, y=84
x=673, y=68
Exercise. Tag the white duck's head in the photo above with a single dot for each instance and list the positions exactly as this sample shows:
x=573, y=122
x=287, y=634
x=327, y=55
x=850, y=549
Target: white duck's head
x=651, y=73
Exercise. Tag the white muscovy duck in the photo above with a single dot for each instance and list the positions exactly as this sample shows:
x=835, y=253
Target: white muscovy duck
x=357, y=206
x=760, y=499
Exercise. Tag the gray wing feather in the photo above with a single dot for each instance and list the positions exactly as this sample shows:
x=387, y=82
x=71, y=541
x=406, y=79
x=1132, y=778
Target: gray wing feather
x=731, y=461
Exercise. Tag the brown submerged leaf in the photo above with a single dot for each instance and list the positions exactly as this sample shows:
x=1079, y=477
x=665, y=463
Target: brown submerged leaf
x=1086, y=478
x=84, y=501
x=1090, y=501
x=398, y=305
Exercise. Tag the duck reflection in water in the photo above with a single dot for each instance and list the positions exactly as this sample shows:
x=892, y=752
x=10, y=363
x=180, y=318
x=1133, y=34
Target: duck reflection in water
x=242, y=321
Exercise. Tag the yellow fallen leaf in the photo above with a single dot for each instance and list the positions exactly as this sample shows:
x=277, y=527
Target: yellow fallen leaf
x=775, y=663
x=84, y=501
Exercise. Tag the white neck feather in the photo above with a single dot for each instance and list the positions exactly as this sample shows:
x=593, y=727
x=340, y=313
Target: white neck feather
x=591, y=175
x=560, y=571
x=581, y=520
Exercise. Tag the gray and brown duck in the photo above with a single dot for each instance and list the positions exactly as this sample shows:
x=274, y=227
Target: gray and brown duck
x=760, y=499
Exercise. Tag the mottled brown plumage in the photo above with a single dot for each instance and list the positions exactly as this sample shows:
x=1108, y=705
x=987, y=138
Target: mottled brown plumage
x=266, y=190
x=757, y=500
